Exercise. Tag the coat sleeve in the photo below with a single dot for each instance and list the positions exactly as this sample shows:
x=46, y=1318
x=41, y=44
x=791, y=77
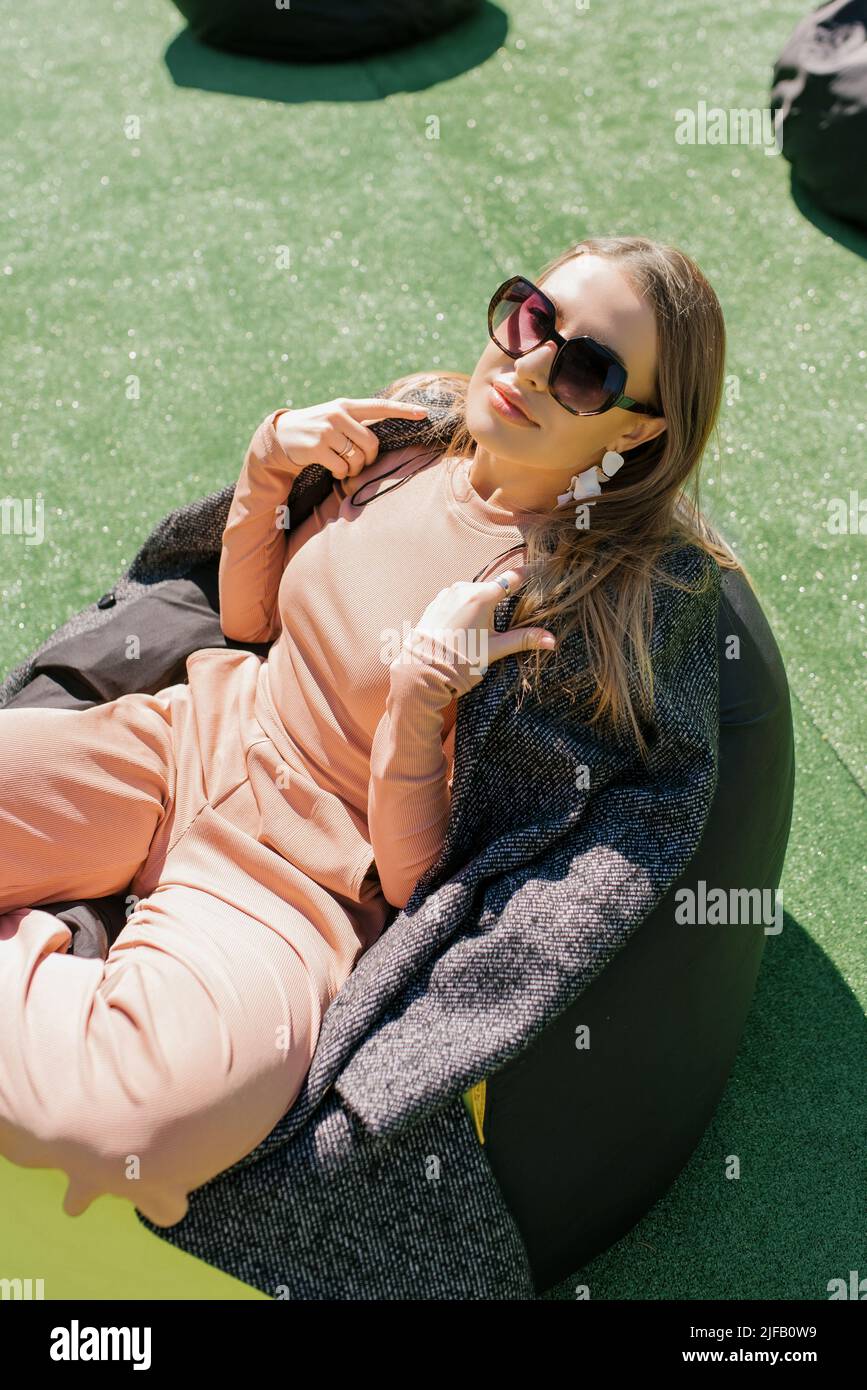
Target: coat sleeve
x=526, y=925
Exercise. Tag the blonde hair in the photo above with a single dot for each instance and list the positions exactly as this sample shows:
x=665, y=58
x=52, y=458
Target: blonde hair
x=599, y=580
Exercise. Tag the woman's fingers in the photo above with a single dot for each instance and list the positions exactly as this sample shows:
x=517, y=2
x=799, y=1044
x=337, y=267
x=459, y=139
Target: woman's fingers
x=348, y=431
x=375, y=408
x=518, y=639
x=460, y=616
x=493, y=590
x=323, y=433
x=348, y=426
x=344, y=462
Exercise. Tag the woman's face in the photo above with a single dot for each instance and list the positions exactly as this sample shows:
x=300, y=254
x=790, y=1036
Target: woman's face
x=593, y=298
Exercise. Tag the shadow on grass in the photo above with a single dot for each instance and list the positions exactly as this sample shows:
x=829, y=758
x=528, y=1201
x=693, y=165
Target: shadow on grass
x=409, y=69
x=792, y=1114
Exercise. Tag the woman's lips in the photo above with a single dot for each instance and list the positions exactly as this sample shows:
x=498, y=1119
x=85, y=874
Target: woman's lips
x=507, y=410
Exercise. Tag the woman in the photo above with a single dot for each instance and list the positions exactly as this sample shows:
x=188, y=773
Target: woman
x=268, y=814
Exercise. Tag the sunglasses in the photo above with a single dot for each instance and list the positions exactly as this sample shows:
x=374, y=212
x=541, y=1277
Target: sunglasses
x=586, y=377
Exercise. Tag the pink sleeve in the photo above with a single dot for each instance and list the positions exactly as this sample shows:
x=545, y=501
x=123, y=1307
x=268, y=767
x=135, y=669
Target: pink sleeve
x=255, y=540
x=408, y=795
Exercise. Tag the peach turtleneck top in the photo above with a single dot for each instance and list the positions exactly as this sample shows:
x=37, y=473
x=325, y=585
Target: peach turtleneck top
x=365, y=707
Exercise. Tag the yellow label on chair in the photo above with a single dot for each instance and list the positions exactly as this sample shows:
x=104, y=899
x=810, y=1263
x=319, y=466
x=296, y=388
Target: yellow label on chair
x=474, y=1100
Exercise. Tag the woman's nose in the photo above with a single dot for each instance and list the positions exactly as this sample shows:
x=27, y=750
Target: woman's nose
x=534, y=368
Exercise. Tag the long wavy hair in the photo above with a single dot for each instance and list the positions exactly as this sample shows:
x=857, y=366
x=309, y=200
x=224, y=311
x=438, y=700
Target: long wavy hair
x=600, y=580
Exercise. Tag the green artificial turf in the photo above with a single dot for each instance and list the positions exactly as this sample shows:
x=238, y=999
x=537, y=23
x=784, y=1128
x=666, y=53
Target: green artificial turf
x=281, y=235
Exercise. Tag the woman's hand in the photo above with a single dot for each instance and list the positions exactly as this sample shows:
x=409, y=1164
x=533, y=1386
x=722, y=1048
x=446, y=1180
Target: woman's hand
x=461, y=618
x=316, y=433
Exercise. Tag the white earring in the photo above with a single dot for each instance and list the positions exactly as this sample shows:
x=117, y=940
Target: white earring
x=611, y=461
x=589, y=483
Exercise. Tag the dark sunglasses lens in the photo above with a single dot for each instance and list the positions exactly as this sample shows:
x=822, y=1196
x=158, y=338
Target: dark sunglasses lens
x=519, y=320
x=586, y=379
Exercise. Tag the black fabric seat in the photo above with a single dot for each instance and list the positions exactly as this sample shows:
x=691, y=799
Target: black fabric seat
x=820, y=92
x=172, y=620
x=621, y=1119
x=310, y=31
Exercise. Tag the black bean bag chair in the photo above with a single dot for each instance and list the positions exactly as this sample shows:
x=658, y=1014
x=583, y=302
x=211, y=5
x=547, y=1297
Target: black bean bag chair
x=327, y=31
x=621, y=1118
x=820, y=90
x=665, y=1018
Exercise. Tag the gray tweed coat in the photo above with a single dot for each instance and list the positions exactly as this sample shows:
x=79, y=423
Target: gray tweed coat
x=374, y=1185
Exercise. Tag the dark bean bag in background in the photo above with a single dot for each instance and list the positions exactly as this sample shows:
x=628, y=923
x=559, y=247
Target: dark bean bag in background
x=820, y=86
x=326, y=31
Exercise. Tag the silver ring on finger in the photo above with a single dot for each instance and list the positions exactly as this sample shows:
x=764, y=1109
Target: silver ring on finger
x=347, y=452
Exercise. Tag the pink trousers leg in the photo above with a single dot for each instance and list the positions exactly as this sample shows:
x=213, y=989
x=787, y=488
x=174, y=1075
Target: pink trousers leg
x=147, y=1074
x=83, y=794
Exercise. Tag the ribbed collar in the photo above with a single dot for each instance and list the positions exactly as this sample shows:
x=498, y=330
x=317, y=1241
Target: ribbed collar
x=474, y=509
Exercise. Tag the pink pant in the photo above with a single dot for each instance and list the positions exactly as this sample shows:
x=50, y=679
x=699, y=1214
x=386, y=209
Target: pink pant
x=148, y=1073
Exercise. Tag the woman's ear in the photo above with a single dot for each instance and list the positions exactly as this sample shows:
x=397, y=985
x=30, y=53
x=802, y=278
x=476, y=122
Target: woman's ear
x=641, y=433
